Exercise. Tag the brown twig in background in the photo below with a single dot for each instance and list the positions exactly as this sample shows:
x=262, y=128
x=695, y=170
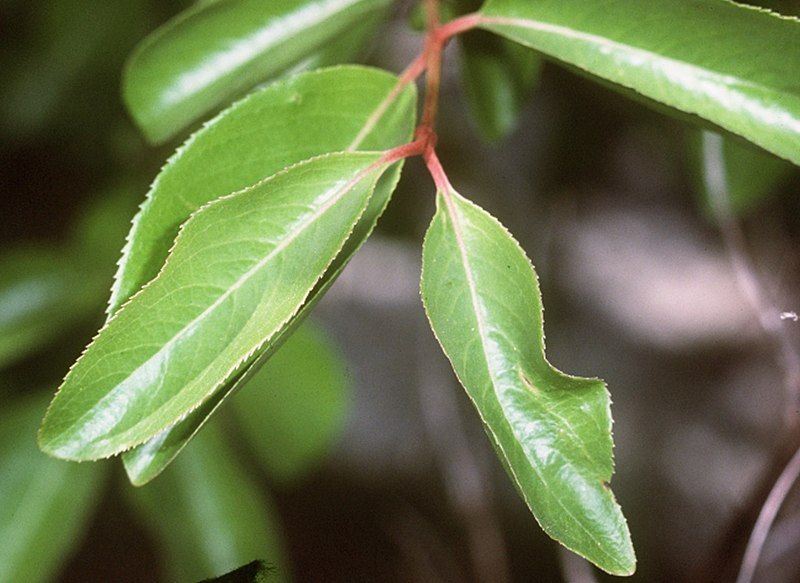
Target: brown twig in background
x=771, y=319
x=780, y=476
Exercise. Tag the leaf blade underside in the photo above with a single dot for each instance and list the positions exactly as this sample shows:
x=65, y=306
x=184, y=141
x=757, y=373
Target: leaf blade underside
x=723, y=62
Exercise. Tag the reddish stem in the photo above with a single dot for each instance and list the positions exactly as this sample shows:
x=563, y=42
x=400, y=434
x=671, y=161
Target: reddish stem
x=430, y=63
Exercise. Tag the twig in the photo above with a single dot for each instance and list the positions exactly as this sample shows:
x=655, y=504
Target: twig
x=575, y=569
x=766, y=518
x=769, y=316
x=467, y=487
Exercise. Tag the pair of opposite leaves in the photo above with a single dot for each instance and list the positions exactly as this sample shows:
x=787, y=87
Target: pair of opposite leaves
x=747, y=96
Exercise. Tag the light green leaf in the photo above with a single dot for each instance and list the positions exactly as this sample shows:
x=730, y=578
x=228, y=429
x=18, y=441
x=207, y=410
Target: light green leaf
x=552, y=431
x=212, y=53
x=714, y=59
x=498, y=78
x=46, y=503
x=287, y=122
x=241, y=268
x=752, y=175
x=145, y=462
x=295, y=407
x=395, y=126
x=208, y=515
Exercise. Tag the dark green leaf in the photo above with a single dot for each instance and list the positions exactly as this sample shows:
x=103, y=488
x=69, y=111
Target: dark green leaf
x=295, y=407
x=212, y=53
x=255, y=572
x=551, y=430
x=730, y=64
x=45, y=502
x=308, y=115
x=208, y=515
x=498, y=77
x=241, y=268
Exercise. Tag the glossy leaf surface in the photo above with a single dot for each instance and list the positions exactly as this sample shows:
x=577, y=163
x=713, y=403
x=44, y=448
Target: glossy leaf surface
x=295, y=407
x=726, y=63
x=498, y=78
x=208, y=515
x=287, y=122
x=145, y=462
x=45, y=502
x=241, y=269
x=552, y=431
x=212, y=53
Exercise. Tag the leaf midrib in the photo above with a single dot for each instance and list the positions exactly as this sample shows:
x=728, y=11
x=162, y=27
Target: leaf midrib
x=242, y=280
x=457, y=231
x=726, y=80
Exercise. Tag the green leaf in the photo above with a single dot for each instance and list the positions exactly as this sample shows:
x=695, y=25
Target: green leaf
x=714, y=59
x=145, y=462
x=498, y=78
x=287, y=122
x=255, y=572
x=46, y=503
x=208, y=515
x=212, y=53
x=41, y=296
x=752, y=175
x=295, y=407
x=241, y=268
x=552, y=431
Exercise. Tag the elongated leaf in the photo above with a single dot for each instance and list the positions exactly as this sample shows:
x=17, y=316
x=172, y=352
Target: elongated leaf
x=212, y=53
x=295, y=407
x=209, y=516
x=727, y=63
x=145, y=462
x=498, y=78
x=308, y=115
x=240, y=269
x=551, y=430
x=45, y=502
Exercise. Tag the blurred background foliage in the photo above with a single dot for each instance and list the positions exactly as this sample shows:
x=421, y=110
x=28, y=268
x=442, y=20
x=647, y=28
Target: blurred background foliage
x=354, y=455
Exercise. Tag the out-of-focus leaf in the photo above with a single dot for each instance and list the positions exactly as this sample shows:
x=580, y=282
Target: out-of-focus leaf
x=498, y=77
x=45, y=502
x=211, y=53
x=723, y=62
x=255, y=572
x=752, y=175
x=41, y=296
x=241, y=269
x=552, y=431
x=208, y=515
x=296, y=405
x=73, y=43
x=289, y=121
